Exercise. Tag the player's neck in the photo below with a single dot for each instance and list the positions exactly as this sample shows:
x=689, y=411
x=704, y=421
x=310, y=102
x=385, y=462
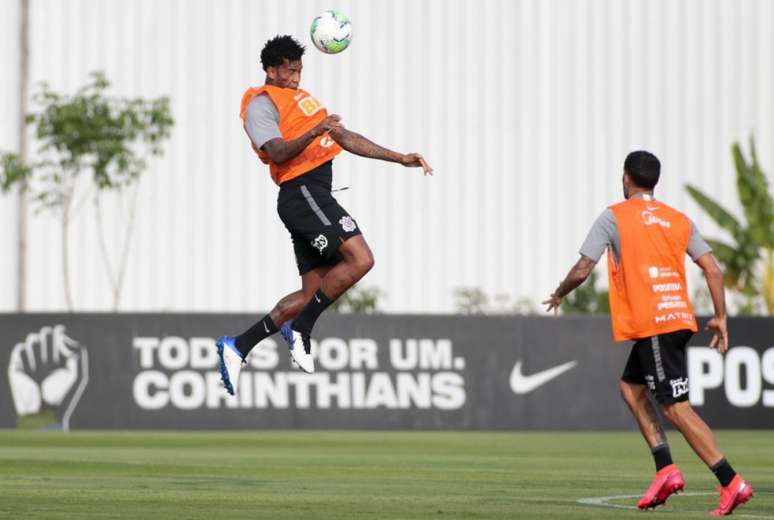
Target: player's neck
x=642, y=195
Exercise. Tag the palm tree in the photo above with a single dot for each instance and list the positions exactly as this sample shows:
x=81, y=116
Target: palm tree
x=753, y=243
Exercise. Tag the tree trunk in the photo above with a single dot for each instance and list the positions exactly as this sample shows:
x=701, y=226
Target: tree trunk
x=127, y=243
x=21, y=247
x=65, y=249
x=103, y=248
x=117, y=279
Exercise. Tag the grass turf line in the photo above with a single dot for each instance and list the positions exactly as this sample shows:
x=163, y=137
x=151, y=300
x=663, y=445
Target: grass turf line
x=355, y=475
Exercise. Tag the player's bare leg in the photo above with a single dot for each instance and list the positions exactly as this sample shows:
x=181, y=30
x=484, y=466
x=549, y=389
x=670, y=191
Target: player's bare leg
x=356, y=261
x=636, y=398
x=695, y=431
x=233, y=350
x=734, y=490
x=668, y=478
x=291, y=305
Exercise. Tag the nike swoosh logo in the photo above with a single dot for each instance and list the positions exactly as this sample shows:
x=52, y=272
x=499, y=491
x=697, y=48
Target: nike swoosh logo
x=316, y=298
x=265, y=327
x=521, y=384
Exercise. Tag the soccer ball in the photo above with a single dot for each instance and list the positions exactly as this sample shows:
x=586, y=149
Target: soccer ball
x=331, y=32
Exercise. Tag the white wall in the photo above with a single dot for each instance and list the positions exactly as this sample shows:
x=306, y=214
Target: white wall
x=9, y=141
x=525, y=108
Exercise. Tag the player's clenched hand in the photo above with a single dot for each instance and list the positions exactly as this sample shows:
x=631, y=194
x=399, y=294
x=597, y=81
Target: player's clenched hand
x=416, y=160
x=720, y=338
x=331, y=122
x=553, y=304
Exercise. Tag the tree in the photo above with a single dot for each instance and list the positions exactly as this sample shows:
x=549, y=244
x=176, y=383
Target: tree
x=474, y=300
x=470, y=300
x=88, y=134
x=363, y=300
x=748, y=261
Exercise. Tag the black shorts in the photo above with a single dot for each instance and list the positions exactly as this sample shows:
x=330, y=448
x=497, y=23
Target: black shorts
x=660, y=362
x=316, y=222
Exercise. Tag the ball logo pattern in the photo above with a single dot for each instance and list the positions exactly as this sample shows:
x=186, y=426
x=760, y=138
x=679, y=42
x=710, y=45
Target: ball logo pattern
x=331, y=32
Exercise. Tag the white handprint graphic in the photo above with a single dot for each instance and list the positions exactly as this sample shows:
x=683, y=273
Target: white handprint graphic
x=48, y=371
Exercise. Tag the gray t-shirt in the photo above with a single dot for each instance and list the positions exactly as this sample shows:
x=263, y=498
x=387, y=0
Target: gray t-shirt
x=262, y=120
x=604, y=233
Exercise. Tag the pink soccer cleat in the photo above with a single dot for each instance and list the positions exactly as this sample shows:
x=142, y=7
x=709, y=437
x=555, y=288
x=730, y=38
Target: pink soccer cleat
x=668, y=480
x=736, y=493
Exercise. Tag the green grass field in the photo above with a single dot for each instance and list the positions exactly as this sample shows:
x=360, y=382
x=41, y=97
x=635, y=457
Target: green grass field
x=363, y=475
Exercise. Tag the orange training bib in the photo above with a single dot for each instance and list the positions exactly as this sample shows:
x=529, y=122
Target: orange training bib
x=299, y=112
x=648, y=293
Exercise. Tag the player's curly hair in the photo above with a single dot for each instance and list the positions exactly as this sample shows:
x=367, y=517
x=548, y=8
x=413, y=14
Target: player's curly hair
x=279, y=49
x=643, y=168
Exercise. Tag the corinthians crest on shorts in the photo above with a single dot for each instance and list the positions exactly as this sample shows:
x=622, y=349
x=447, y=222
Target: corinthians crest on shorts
x=320, y=243
x=347, y=224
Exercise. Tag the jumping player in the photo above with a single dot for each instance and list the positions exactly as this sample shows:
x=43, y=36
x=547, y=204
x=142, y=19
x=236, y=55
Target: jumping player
x=292, y=132
x=646, y=243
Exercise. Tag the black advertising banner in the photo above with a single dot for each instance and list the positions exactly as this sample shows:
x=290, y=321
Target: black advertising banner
x=159, y=371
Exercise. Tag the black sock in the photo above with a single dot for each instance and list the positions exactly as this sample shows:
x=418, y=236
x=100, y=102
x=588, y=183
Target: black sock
x=724, y=472
x=662, y=456
x=255, y=334
x=305, y=321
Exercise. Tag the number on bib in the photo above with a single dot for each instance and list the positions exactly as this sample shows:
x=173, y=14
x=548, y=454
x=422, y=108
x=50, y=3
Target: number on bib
x=309, y=106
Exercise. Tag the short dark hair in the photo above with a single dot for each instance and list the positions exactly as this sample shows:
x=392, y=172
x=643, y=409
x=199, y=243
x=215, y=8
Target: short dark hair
x=280, y=49
x=643, y=169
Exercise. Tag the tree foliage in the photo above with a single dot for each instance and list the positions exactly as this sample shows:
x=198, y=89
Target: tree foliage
x=748, y=260
x=89, y=133
x=475, y=301
x=360, y=300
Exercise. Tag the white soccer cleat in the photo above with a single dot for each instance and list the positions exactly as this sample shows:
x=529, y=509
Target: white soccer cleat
x=230, y=361
x=298, y=353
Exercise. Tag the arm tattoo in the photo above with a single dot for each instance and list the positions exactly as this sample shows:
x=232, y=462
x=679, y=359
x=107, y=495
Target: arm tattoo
x=357, y=144
x=583, y=267
x=281, y=151
x=577, y=275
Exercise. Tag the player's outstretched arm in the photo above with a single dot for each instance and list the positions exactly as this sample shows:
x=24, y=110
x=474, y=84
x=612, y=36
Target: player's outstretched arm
x=717, y=324
x=280, y=150
x=359, y=145
x=577, y=275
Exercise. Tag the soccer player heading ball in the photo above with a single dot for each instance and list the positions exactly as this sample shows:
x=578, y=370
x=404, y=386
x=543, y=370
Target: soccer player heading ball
x=646, y=243
x=293, y=133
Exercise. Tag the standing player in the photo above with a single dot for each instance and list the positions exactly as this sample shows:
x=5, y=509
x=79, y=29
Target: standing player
x=293, y=133
x=647, y=242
